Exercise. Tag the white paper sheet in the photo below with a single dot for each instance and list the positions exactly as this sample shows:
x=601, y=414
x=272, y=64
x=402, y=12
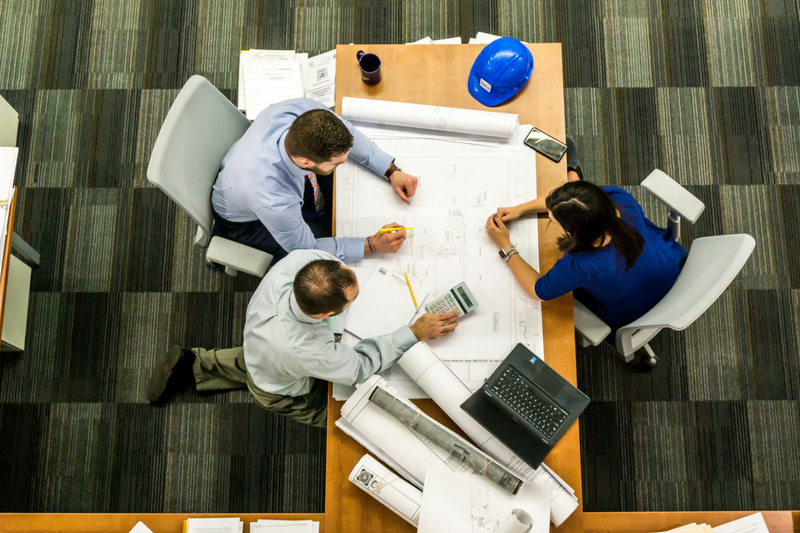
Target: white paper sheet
x=382, y=484
x=455, y=503
x=384, y=302
x=457, y=192
x=267, y=55
x=749, y=524
x=438, y=118
x=302, y=60
x=485, y=38
x=415, y=453
x=424, y=40
x=140, y=528
x=269, y=82
x=449, y=40
x=321, y=78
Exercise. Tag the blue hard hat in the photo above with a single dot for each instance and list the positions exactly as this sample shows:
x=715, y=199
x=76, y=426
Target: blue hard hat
x=502, y=68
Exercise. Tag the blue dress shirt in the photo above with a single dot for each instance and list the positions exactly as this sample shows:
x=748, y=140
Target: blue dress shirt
x=601, y=282
x=259, y=181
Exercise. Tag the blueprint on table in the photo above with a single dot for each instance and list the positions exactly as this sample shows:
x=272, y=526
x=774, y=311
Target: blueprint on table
x=459, y=187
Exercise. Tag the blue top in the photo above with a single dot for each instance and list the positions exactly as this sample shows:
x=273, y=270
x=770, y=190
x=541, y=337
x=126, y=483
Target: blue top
x=616, y=296
x=259, y=181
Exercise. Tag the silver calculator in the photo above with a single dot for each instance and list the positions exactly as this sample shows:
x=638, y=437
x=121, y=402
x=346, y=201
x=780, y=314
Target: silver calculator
x=459, y=298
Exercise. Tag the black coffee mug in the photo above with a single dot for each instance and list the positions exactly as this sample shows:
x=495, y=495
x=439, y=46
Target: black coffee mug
x=370, y=66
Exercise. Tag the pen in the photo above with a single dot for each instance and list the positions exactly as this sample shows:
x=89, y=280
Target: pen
x=387, y=230
x=411, y=290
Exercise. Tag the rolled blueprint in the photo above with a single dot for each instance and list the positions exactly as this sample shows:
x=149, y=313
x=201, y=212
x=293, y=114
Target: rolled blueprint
x=518, y=521
x=429, y=117
x=415, y=420
x=401, y=497
x=444, y=388
x=393, y=442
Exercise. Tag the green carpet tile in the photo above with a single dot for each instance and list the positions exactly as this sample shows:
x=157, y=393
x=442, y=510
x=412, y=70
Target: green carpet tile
x=706, y=90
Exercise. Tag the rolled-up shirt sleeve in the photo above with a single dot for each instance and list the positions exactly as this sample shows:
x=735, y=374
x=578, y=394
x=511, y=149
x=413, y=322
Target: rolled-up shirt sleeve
x=286, y=224
x=366, y=153
x=347, y=365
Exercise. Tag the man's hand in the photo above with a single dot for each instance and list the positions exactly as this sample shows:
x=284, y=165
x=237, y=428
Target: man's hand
x=389, y=242
x=430, y=326
x=404, y=185
x=497, y=231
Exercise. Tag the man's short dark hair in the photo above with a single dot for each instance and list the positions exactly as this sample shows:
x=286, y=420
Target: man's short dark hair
x=321, y=287
x=318, y=135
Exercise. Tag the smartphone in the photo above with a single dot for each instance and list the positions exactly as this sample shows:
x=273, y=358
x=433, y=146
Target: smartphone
x=545, y=144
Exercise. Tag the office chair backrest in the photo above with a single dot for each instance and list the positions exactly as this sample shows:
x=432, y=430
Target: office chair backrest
x=712, y=265
x=199, y=129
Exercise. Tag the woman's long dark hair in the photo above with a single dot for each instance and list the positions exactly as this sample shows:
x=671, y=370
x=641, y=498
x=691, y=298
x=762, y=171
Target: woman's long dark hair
x=587, y=213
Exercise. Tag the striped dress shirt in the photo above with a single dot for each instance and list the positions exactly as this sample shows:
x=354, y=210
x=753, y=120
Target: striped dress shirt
x=285, y=349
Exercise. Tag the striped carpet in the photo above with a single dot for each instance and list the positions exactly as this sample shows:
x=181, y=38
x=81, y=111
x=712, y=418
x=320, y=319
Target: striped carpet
x=706, y=90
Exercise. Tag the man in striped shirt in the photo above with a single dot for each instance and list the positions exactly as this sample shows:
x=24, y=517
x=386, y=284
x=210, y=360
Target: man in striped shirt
x=290, y=348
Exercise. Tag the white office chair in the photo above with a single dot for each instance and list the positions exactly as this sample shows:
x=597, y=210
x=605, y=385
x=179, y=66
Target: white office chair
x=199, y=129
x=712, y=265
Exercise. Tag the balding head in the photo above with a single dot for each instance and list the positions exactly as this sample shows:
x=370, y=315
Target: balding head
x=324, y=287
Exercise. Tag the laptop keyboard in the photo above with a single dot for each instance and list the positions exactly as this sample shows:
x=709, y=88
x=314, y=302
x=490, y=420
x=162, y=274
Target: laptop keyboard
x=515, y=390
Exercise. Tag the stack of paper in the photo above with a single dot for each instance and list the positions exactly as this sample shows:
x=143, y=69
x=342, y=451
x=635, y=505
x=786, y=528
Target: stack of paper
x=284, y=526
x=270, y=76
x=749, y=524
x=213, y=525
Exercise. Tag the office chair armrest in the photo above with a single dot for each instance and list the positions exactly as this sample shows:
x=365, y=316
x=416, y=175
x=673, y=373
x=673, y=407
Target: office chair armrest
x=236, y=256
x=588, y=325
x=673, y=195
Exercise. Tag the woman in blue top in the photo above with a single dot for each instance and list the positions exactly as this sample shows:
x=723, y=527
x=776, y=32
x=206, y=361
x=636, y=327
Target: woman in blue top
x=617, y=261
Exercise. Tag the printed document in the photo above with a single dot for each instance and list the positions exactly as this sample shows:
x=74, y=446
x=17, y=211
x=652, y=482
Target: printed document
x=258, y=55
x=270, y=82
x=321, y=78
x=455, y=503
x=384, y=302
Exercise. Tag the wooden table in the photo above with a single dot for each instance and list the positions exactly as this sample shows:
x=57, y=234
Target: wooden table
x=437, y=75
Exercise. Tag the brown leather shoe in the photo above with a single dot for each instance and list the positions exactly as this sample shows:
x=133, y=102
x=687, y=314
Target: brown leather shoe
x=165, y=378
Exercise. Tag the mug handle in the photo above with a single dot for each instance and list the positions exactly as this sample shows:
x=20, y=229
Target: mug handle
x=360, y=54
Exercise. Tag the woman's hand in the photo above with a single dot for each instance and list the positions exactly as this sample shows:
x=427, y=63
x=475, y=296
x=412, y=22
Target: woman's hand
x=509, y=214
x=497, y=231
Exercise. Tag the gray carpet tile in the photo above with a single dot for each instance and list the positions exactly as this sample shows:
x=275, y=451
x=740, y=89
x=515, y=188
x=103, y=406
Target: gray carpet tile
x=706, y=90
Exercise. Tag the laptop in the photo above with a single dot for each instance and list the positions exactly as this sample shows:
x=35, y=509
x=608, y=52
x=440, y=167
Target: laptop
x=526, y=405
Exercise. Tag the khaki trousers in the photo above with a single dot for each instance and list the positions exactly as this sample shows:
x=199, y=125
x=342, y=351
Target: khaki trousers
x=219, y=370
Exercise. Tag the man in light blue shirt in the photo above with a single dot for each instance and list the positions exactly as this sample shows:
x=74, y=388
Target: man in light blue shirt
x=274, y=188
x=290, y=350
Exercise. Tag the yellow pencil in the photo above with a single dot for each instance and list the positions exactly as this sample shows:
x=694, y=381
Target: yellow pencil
x=410, y=290
x=387, y=230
